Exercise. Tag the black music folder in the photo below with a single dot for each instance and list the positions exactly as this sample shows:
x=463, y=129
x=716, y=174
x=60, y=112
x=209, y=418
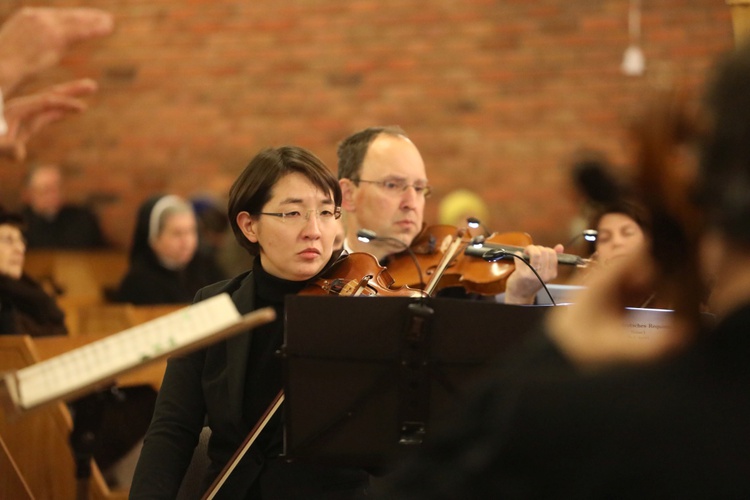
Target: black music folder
x=364, y=378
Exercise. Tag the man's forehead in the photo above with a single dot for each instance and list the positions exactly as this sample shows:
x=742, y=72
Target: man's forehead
x=393, y=156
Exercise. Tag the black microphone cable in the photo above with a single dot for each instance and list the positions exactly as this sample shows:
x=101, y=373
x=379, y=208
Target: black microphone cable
x=477, y=249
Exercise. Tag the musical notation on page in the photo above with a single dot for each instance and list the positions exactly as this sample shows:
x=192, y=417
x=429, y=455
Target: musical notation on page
x=78, y=371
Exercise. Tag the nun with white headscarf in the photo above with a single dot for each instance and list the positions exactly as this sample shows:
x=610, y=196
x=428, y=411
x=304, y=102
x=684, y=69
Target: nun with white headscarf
x=165, y=267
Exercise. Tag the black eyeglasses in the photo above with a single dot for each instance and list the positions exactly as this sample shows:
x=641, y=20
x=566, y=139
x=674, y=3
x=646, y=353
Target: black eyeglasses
x=295, y=217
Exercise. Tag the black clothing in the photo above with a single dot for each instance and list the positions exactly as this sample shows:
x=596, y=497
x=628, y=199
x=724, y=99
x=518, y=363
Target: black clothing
x=232, y=383
x=673, y=429
x=74, y=227
x=25, y=308
x=149, y=282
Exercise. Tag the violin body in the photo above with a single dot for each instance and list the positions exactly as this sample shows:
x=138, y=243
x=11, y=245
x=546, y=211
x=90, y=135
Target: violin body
x=470, y=272
x=358, y=275
x=455, y=259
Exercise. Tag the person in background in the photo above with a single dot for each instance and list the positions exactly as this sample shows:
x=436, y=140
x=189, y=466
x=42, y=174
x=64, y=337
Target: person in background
x=213, y=227
x=283, y=209
x=25, y=307
x=50, y=221
x=384, y=183
x=622, y=229
x=458, y=206
x=165, y=267
x=33, y=39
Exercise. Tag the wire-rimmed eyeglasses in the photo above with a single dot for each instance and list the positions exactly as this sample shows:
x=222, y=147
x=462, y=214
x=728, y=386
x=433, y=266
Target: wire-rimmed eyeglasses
x=398, y=186
x=300, y=217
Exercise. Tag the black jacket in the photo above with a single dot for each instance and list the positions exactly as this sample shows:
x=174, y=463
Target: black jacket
x=210, y=385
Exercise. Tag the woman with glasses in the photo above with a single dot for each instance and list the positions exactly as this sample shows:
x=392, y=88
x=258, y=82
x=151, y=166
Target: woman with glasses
x=283, y=209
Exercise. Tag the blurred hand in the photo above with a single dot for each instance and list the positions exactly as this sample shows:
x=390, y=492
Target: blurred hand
x=34, y=39
x=592, y=332
x=26, y=115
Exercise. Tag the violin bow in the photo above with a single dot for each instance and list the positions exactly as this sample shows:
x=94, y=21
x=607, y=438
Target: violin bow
x=242, y=450
x=452, y=250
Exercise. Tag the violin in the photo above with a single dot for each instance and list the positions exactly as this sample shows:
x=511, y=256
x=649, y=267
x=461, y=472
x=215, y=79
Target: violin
x=358, y=275
x=450, y=257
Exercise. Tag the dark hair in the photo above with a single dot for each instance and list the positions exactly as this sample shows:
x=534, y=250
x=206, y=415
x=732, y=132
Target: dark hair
x=254, y=187
x=724, y=175
x=353, y=149
x=11, y=218
x=626, y=207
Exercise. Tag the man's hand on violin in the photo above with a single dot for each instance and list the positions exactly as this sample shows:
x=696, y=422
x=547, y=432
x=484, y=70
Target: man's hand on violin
x=523, y=284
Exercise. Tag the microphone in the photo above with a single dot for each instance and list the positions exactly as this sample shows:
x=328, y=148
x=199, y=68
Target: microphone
x=367, y=235
x=474, y=223
x=589, y=235
x=477, y=248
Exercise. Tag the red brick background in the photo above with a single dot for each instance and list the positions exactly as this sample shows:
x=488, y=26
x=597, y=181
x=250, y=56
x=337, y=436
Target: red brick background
x=496, y=93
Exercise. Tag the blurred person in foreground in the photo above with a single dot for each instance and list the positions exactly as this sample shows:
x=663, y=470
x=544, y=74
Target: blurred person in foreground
x=585, y=412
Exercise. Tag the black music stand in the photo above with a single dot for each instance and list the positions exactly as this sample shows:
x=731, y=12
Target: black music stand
x=364, y=378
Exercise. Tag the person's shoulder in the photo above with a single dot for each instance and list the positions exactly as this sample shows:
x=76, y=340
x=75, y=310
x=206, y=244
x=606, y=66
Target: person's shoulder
x=223, y=286
x=74, y=210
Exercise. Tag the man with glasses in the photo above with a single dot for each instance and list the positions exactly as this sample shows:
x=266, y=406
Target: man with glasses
x=384, y=184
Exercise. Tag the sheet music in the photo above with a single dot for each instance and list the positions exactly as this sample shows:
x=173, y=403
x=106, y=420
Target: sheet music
x=106, y=358
x=647, y=323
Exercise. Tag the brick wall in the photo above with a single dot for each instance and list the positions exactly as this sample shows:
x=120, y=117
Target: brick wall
x=496, y=93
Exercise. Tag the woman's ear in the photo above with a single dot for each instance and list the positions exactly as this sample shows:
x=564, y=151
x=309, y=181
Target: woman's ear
x=347, y=192
x=246, y=223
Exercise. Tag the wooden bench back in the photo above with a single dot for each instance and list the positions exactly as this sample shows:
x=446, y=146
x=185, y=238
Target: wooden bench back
x=37, y=441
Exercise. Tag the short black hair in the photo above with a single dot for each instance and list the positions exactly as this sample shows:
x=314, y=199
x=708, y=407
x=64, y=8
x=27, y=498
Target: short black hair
x=352, y=150
x=253, y=188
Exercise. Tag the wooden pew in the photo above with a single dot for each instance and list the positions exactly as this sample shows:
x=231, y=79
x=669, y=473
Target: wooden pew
x=38, y=453
x=107, y=318
x=12, y=483
x=37, y=441
x=82, y=275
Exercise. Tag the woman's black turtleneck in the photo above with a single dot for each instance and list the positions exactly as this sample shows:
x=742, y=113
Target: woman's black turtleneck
x=264, y=371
